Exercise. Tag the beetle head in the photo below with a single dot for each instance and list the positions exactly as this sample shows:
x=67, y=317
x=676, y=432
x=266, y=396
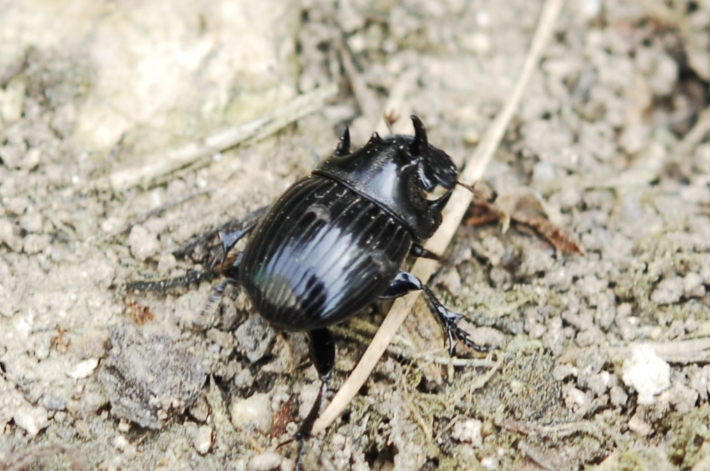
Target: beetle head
x=396, y=172
x=435, y=167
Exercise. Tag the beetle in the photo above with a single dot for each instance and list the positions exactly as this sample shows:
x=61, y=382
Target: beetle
x=333, y=244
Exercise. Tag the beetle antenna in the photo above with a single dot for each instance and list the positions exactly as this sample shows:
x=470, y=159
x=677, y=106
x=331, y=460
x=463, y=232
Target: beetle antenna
x=344, y=143
x=390, y=118
x=475, y=191
x=420, y=139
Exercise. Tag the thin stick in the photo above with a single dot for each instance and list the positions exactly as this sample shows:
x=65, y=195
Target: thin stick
x=152, y=167
x=453, y=214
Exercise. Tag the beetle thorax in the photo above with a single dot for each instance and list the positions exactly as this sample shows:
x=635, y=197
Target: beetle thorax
x=396, y=173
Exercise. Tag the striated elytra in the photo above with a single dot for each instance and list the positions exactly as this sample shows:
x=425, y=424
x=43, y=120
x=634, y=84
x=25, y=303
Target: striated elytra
x=334, y=243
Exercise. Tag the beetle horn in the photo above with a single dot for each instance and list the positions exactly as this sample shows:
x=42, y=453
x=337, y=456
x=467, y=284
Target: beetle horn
x=344, y=143
x=375, y=139
x=420, y=139
x=438, y=205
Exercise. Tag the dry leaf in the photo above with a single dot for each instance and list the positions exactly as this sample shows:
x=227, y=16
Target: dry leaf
x=526, y=208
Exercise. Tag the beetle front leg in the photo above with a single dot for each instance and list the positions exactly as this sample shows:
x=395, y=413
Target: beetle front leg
x=322, y=351
x=405, y=282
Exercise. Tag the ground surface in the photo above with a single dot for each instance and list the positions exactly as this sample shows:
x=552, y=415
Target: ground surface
x=602, y=357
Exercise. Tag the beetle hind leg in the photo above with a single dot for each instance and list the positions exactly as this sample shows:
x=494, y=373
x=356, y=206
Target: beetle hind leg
x=322, y=352
x=405, y=282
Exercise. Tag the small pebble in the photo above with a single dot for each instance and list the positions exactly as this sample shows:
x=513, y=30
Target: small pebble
x=202, y=440
x=83, y=369
x=254, y=337
x=200, y=409
x=668, y=291
x=490, y=463
x=682, y=397
x=252, y=412
x=31, y=222
x=124, y=426
x=12, y=99
x=647, y=373
x=577, y=399
x=30, y=419
x=266, y=461
x=51, y=402
x=120, y=442
x=468, y=431
x=143, y=244
x=693, y=285
x=639, y=427
x=618, y=396
x=244, y=379
x=9, y=235
x=35, y=243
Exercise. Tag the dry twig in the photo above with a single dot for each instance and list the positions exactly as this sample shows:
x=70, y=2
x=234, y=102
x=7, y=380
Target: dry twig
x=165, y=162
x=681, y=351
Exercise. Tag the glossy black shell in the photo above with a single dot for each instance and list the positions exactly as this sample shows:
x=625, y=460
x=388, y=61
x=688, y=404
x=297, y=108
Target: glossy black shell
x=333, y=243
x=322, y=254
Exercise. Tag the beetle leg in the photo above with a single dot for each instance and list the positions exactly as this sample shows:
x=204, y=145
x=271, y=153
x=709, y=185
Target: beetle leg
x=405, y=282
x=231, y=277
x=419, y=251
x=229, y=239
x=322, y=351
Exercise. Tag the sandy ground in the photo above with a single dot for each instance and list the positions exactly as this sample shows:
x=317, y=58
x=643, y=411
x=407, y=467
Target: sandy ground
x=127, y=128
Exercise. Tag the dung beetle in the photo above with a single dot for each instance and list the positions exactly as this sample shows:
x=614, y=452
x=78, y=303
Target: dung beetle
x=334, y=243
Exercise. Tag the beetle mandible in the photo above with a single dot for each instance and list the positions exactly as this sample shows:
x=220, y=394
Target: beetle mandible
x=333, y=244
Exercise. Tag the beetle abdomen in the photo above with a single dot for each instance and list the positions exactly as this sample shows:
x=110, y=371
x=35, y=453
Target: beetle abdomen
x=322, y=254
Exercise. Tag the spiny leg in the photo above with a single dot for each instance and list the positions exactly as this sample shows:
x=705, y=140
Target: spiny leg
x=231, y=277
x=165, y=284
x=230, y=271
x=322, y=351
x=405, y=282
x=199, y=240
x=229, y=239
x=419, y=251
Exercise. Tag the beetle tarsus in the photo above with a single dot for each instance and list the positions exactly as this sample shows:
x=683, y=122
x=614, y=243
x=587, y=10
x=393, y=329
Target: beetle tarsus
x=449, y=320
x=405, y=282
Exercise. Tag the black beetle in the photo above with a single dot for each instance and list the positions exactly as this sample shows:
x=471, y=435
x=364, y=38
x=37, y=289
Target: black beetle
x=333, y=244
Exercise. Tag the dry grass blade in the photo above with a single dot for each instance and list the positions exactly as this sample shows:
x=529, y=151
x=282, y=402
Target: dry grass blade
x=460, y=200
x=684, y=351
